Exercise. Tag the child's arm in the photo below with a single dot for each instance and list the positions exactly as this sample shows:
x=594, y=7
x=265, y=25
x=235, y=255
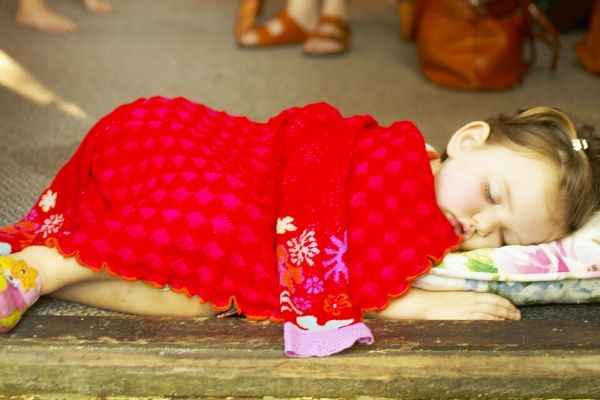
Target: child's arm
x=424, y=304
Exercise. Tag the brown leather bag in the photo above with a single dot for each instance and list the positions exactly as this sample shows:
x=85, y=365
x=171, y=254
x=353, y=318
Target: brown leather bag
x=588, y=49
x=477, y=44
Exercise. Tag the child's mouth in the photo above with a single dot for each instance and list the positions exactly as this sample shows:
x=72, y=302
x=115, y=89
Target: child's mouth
x=459, y=228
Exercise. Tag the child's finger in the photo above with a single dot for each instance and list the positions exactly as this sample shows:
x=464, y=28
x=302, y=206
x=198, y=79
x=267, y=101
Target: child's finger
x=499, y=307
x=504, y=312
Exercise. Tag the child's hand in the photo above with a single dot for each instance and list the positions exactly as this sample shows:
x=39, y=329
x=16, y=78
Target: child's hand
x=423, y=304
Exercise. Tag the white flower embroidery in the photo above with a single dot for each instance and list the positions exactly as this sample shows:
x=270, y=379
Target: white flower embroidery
x=52, y=224
x=48, y=201
x=285, y=225
x=303, y=248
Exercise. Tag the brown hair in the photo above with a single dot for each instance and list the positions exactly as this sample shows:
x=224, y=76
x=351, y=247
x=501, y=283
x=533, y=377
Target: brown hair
x=549, y=132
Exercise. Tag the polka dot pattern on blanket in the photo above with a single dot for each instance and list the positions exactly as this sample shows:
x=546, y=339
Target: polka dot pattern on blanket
x=176, y=194
x=391, y=200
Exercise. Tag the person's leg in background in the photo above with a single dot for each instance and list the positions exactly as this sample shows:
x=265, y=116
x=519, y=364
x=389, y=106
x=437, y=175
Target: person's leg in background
x=290, y=26
x=332, y=34
x=35, y=14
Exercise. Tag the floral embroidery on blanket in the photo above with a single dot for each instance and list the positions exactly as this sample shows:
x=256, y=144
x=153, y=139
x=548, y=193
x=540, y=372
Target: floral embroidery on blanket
x=314, y=301
x=51, y=225
x=308, y=280
x=48, y=200
x=303, y=248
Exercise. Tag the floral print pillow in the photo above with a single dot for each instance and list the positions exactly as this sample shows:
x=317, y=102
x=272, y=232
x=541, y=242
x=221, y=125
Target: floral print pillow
x=561, y=271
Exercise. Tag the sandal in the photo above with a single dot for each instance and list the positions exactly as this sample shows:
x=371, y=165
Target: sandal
x=248, y=12
x=340, y=35
x=20, y=287
x=291, y=33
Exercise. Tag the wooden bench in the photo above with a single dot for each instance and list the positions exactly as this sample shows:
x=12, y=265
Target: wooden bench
x=74, y=356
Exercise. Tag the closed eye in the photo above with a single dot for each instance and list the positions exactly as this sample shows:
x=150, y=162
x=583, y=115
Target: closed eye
x=490, y=198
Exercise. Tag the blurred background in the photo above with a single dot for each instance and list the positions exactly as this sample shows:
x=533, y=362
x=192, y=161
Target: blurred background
x=53, y=87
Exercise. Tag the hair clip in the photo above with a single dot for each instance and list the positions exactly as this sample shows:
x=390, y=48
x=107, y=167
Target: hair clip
x=579, y=144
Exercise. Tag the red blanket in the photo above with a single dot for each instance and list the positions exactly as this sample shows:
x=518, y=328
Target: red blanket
x=310, y=218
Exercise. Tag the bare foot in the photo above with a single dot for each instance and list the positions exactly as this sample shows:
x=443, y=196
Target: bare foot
x=35, y=15
x=332, y=34
x=328, y=38
x=98, y=7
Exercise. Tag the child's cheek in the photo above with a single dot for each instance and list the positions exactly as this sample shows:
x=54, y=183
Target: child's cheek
x=457, y=194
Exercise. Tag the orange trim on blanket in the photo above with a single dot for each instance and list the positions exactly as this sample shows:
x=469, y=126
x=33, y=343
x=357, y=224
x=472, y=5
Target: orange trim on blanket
x=53, y=243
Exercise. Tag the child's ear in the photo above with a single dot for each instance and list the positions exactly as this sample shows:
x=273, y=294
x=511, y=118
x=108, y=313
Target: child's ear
x=471, y=135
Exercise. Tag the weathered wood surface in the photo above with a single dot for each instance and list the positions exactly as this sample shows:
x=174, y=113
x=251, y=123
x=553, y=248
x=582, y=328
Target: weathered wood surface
x=132, y=356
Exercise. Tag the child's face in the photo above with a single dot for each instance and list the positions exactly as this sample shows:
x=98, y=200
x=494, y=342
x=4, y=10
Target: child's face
x=494, y=195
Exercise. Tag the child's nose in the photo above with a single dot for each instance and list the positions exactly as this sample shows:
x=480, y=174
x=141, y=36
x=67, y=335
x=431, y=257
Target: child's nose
x=485, y=223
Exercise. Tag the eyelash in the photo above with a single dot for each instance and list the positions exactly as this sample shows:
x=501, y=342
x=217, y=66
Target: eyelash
x=488, y=196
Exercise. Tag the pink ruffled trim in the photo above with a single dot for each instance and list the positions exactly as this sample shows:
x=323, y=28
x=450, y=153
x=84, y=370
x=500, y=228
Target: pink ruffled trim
x=322, y=343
